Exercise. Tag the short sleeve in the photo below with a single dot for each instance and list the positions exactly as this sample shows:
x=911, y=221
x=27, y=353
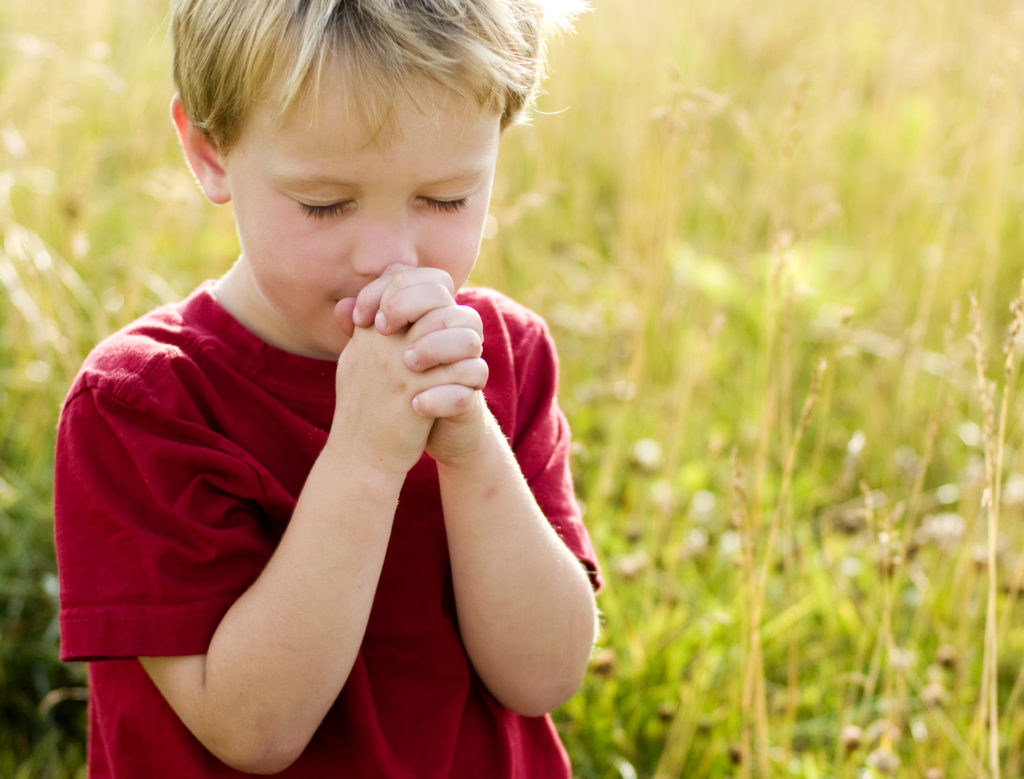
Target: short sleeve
x=158, y=530
x=542, y=441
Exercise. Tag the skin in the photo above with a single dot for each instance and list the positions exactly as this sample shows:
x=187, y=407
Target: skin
x=369, y=279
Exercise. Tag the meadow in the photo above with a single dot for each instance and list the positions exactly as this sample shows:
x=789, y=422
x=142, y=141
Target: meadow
x=780, y=247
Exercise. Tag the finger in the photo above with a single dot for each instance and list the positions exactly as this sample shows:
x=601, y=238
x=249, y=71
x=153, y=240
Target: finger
x=343, y=315
x=401, y=276
x=447, y=317
x=404, y=306
x=445, y=400
x=471, y=372
x=368, y=300
x=443, y=347
x=401, y=279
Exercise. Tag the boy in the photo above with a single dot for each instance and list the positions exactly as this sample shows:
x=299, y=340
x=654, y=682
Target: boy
x=294, y=532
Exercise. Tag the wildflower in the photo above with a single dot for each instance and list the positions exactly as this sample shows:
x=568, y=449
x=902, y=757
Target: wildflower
x=646, y=455
x=629, y=566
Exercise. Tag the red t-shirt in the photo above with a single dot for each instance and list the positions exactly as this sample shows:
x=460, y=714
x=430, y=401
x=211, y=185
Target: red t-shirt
x=182, y=447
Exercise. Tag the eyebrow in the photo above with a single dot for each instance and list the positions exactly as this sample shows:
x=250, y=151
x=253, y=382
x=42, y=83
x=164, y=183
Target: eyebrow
x=298, y=177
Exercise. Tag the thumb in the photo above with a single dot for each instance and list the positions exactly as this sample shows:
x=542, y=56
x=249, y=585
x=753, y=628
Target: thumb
x=343, y=315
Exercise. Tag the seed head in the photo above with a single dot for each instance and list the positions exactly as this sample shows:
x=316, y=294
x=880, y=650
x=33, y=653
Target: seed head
x=605, y=662
x=851, y=738
x=736, y=754
x=947, y=656
x=883, y=761
x=933, y=695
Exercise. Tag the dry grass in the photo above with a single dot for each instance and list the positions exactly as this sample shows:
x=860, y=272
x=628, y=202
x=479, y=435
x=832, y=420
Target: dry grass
x=811, y=571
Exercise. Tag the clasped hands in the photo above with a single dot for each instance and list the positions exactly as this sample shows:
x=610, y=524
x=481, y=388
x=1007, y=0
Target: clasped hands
x=410, y=377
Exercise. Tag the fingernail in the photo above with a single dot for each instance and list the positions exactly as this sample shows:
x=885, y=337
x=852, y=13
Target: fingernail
x=381, y=321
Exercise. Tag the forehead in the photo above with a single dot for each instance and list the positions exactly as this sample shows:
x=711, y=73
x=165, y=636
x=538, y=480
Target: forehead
x=426, y=130
x=368, y=108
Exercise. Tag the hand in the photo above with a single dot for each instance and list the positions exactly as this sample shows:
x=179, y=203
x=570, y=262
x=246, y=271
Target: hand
x=441, y=347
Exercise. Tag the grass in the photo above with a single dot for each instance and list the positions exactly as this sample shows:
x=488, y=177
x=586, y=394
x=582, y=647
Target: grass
x=756, y=233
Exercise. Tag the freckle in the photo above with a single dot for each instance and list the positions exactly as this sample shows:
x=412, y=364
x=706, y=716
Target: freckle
x=491, y=492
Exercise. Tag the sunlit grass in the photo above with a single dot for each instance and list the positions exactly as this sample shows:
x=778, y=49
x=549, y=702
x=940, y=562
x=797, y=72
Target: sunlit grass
x=717, y=199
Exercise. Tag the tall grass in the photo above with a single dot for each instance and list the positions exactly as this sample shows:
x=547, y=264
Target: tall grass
x=756, y=231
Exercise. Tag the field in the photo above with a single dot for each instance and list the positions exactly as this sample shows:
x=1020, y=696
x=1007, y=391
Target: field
x=780, y=247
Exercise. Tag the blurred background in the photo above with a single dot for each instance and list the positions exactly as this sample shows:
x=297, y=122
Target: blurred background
x=780, y=247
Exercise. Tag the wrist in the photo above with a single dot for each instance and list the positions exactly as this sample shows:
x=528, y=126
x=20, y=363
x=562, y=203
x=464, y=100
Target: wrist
x=465, y=442
x=364, y=465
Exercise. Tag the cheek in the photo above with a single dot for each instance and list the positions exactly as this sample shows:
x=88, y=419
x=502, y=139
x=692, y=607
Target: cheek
x=284, y=246
x=454, y=246
x=259, y=227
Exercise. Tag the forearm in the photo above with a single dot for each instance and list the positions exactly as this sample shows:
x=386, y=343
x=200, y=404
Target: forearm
x=283, y=651
x=525, y=604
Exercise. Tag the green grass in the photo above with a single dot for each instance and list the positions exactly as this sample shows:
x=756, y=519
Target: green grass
x=716, y=197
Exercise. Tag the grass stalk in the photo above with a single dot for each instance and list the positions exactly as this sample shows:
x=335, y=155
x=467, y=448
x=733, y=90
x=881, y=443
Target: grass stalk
x=995, y=448
x=756, y=576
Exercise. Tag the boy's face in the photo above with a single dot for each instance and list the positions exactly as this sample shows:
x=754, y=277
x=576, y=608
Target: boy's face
x=322, y=208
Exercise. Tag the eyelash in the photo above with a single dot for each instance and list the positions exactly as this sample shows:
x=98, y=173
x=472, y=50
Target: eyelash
x=446, y=206
x=322, y=212
x=334, y=209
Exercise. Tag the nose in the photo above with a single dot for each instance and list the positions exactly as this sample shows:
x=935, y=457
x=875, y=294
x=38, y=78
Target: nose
x=380, y=243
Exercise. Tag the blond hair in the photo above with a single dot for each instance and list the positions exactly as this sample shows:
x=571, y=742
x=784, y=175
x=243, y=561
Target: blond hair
x=231, y=54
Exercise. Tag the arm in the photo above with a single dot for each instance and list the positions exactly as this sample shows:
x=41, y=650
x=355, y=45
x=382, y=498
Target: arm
x=282, y=652
x=526, y=606
x=525, y=603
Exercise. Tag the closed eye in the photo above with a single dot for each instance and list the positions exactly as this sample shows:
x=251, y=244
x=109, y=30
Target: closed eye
x=335, y=209
x=324, y=212
x=446, y=206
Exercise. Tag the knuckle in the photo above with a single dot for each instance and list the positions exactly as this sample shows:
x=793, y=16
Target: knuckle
x=443, y=293
x=475, y=344
x=474, y=317
x=474, y=373
x=427, y=352
x=444, y=278
x=395, y=269
x=391, y=304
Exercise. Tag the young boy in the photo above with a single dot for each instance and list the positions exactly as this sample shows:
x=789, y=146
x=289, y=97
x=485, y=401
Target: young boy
x=317, y=518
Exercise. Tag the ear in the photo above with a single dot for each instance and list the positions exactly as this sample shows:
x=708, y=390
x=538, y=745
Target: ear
x=206, y=162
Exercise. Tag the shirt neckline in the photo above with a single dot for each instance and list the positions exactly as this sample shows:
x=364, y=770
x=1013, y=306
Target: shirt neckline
x=292, y=374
